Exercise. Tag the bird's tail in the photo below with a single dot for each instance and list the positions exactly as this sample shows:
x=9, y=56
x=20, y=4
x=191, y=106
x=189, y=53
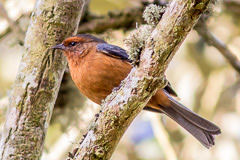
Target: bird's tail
x=200, y=128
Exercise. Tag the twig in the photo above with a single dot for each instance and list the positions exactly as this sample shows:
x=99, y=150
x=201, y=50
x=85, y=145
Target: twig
x=222, y=48
x=16, y=29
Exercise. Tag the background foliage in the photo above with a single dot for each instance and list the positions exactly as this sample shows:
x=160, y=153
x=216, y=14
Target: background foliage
x=203, y=79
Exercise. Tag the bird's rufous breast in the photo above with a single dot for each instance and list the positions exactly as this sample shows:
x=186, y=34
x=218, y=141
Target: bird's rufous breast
x=96, y=74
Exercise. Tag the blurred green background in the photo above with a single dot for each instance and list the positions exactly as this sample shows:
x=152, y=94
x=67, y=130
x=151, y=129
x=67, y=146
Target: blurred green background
x=201, y=76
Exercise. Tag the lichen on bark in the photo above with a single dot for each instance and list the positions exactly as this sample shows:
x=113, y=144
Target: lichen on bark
x=143, y=81
x=39, y=77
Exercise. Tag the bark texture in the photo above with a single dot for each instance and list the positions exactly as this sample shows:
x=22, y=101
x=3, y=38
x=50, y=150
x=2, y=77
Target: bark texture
x=38, y=79
x=122, y=106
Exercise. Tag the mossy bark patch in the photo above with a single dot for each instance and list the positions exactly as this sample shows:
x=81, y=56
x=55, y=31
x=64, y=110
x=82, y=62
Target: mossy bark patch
x=39, y=77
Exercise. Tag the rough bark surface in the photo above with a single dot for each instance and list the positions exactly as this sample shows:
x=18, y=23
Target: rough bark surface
x=124, y=105
x=38, y=79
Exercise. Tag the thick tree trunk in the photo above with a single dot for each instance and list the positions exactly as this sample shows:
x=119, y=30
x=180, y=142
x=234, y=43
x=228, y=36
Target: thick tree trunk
x=142, y=82
x=38, y=79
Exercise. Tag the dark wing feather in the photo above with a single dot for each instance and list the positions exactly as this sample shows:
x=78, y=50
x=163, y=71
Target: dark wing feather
x=170, y=90
x=113, y=51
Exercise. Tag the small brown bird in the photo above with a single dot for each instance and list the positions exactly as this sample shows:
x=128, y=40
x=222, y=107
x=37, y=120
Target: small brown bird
x=97, y=67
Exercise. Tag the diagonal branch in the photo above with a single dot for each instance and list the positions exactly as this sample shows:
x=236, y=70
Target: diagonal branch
x=203, y=30
x=123, y=106
x=13, y=25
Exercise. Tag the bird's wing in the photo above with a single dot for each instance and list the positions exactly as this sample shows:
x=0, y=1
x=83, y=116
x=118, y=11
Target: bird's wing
x=113, y=51
x=170, y=90
x=119, y=53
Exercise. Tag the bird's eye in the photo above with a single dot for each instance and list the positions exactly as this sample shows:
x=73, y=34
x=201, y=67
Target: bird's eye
x=72, y=43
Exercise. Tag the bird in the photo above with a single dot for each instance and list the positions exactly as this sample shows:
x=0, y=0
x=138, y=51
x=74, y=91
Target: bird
x=97, y=68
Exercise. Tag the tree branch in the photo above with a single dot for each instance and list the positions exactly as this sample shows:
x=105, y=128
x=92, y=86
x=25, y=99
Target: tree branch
x=232, y=6
x=13, y=25
x=116, y=19
x=125, y=19
x=128, y=17
x=123, y=106
x=38, y=78
x=218, y=44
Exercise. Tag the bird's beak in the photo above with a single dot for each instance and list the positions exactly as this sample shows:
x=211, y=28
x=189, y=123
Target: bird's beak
x=59, y=46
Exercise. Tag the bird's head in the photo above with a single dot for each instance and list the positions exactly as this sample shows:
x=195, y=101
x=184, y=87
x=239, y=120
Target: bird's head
x=77, y=44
